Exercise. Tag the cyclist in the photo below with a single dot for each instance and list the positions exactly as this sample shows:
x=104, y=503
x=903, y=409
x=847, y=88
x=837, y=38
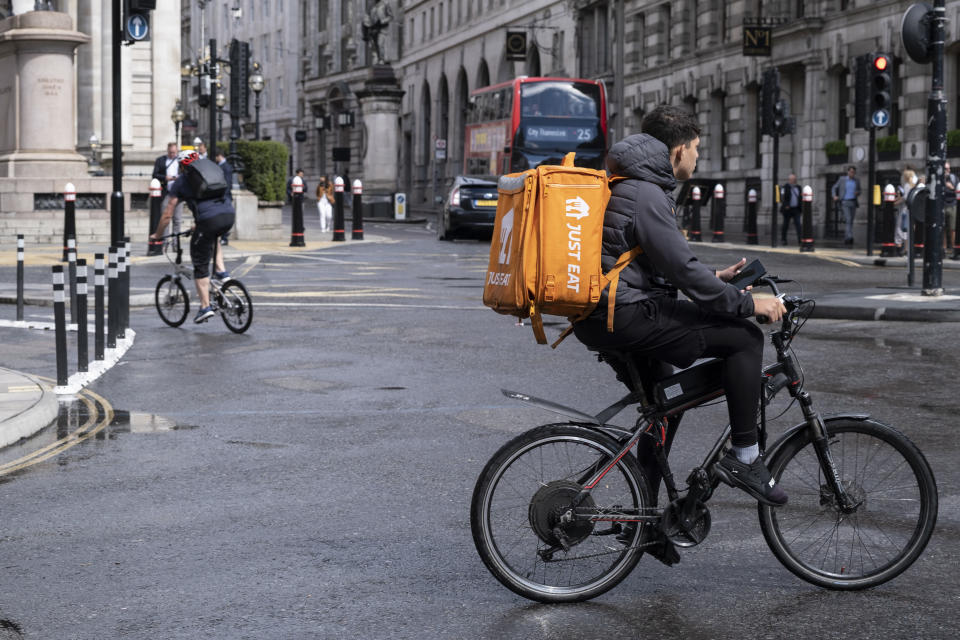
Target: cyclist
x=213, y=217
x=650, y=320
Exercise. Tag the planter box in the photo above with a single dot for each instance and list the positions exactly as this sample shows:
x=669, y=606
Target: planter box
x=840, y=158
x=886, y=156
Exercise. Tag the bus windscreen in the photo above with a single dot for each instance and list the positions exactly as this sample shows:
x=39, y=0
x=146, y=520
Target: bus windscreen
x=557, y=117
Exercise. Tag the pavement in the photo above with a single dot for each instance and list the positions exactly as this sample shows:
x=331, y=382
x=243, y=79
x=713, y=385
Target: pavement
x=28, y=404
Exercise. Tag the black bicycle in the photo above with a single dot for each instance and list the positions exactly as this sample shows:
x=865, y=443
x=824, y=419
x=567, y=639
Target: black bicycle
x=563, y=512
x=228, y=298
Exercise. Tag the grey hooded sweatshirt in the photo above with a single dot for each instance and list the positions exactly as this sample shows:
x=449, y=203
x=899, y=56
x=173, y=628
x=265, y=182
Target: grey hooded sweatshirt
x=641, y=212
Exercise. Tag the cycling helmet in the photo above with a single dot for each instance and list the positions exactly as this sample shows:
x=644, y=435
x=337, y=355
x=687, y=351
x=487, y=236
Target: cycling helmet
x=187, y=156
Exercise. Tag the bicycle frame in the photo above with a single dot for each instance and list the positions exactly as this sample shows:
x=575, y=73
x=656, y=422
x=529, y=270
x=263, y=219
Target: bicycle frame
x=784, y=373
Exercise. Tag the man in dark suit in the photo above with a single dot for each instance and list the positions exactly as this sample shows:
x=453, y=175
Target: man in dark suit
x=846, y=191
x=228, y=175
x=790, y=207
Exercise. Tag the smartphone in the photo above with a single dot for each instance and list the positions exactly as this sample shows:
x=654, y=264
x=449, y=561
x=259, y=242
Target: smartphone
x=748, y=275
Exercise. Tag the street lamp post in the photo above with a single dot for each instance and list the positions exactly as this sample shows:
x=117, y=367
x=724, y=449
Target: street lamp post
x=256, y=85
x=220, y=101
x=178, y=117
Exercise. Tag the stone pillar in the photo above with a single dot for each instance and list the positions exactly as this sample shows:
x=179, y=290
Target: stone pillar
x=38, y=96
x=380, y=106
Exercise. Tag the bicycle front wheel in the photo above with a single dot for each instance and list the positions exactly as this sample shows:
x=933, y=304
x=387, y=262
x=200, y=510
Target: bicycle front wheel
x=890, y=482
x=522, y=496
x=236, y=309
x=173, y=303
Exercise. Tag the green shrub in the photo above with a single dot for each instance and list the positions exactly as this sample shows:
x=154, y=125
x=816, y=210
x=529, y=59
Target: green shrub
x=953, y=138
x=264, y=167
x=888, y=143
x=836, y=148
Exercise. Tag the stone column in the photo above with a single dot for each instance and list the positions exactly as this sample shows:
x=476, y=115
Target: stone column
x=380, y=106
x=38, y=96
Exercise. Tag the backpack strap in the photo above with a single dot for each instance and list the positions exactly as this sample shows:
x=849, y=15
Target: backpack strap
x=612, y=277
x=536, y=323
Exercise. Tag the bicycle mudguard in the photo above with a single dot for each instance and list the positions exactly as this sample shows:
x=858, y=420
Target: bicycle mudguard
x=579, y=416
x=789, y=433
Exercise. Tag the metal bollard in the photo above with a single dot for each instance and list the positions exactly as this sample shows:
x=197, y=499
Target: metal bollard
x=806, y=244
x=720, y=211
x=296, y=233
x=752, y=217
x=69, y=215
x=956, y=234
x=121, y=289
x=98, y=282
x=82, y=315
x=19, y=277
x=60, y=324
x=888, y=217
x=357, y=210
x=155, y=247
x=127, y=271
x=72, y=275
x=338, y=222
x=113, y=294
x=695, y=216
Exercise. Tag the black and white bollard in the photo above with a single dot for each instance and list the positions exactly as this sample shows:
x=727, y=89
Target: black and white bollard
x=113, y=295
x=719, y=212
x=695, y=235
x=127, y=271
x=752, y=217
x=98, y=283
x=806, y=243
x=339, y=235
x=296, y=231
x=82, y=315
x=155, y=247
x=121, y=289
x=888, y=218
x=357, y=210
x=69, y=215
x=60, y=324
x=20, y=277
x=72, y=275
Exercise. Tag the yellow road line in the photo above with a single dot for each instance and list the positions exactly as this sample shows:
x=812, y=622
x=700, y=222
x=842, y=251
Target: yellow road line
x=83, y=432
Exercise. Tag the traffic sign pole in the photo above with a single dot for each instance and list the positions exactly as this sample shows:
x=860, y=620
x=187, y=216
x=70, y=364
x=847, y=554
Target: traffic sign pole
x=936, y=152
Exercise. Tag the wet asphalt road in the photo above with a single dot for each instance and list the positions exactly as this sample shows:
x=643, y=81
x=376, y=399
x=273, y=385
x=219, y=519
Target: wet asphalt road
x=312, y=478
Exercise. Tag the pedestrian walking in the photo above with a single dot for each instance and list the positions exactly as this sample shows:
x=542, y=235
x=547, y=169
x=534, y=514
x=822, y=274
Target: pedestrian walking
x=908, y=179
x=325, y=203
x=790, y=208
x=846, y=191
x=166, y=169
x=949, y=209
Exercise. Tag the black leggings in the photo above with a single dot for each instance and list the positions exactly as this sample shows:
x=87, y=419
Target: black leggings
x=679, y=332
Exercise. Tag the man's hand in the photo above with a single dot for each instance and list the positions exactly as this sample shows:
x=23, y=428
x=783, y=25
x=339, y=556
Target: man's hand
x=728, y=274
x=771, y=308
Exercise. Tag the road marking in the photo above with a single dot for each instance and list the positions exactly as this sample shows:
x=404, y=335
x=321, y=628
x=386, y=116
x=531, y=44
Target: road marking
x=22, y=388
x=85, y=431
x=372, y=305
x=245, y=268
x=353, y=293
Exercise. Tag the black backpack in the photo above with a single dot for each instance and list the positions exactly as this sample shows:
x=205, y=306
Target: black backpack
x=206, y=179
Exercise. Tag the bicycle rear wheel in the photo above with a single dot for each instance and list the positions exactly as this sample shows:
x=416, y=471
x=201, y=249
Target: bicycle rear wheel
x=173, y=303
x=236, y=309
x=526, y=488
x=896, y=493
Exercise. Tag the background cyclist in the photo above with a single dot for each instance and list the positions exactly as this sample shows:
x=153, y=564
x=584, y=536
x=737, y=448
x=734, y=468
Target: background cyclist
x=213, y=217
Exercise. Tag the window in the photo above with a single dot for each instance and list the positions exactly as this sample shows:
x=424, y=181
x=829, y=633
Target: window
x=665, y=24
x=843, y=103
x=410, y=33
x=322, y=15
x=432, y=20
x=638, y=32
x=594, y=41
x=266, y=8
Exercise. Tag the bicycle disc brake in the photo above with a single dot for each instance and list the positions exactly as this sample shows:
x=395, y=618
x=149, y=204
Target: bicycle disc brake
x=685, y=534
x=549, y=514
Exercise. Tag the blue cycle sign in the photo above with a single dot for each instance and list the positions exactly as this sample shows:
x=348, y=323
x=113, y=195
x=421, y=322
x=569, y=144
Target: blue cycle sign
x=137, y=26
x=881, y=118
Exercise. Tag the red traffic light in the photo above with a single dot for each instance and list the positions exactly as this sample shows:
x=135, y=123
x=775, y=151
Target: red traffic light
x=880, y=63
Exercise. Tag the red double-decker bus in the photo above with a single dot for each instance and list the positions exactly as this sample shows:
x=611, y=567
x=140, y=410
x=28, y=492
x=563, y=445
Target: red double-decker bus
x=526, y=122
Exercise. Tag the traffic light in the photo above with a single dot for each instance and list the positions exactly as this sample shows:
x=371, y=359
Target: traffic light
x=136, y=20
x=769, y=96
x=239, y=74
x=783, y=123
x=881, y=89
x=862, y=94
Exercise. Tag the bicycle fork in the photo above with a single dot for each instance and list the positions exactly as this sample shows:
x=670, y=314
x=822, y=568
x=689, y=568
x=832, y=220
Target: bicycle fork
x=821, y=444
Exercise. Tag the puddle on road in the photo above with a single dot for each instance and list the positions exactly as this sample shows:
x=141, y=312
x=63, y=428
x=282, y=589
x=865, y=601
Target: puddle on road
x=67, y=438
